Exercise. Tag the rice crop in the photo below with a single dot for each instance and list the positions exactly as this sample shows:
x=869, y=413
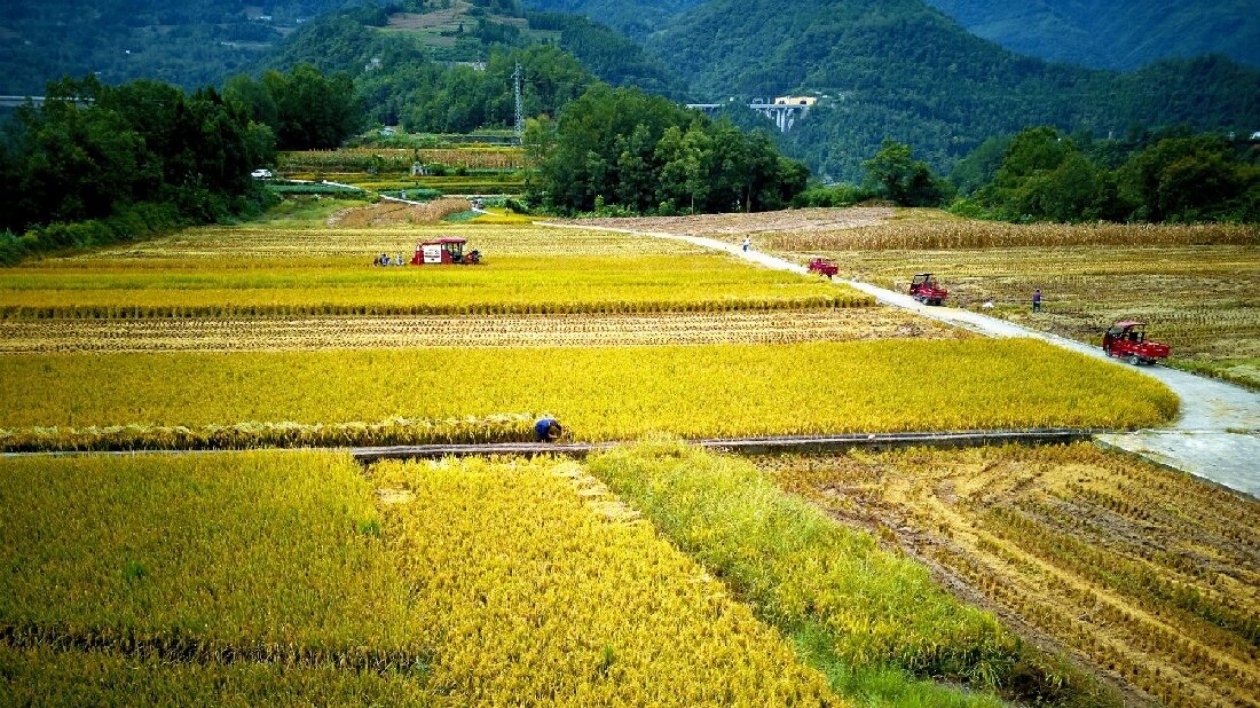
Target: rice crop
x=599, y=393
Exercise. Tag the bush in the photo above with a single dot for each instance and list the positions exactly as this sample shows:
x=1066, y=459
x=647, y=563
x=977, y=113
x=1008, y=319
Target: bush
x=840, y=195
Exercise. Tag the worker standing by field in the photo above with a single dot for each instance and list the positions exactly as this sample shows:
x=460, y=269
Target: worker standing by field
x=747, y=243
x=1037, y=300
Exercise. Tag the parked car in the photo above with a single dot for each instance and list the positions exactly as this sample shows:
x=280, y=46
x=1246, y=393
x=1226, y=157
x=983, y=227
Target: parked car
x=260, y=174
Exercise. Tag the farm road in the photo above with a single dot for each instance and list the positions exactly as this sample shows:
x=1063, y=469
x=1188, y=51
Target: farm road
x=1217, y=436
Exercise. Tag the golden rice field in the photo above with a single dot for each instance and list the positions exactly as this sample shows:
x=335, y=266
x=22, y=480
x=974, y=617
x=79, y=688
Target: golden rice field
x=391, y=213
x=294, y=577
x=494, y=331
x=566, y=596
x=608, y=393
x=1151, y=577
x=302, y=272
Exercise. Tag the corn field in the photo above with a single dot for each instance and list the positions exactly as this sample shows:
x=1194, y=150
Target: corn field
x=953, y=234
x=400, y=160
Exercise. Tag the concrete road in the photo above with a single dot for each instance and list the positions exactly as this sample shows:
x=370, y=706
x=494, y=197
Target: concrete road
x=1217, y=436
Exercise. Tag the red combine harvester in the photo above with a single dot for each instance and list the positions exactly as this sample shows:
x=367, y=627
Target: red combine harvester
x=445, y=251
x=923, y=288
x=823, y=266
x=1127, y=339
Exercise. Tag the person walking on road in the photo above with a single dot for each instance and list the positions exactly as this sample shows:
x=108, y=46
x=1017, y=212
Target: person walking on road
x=747, y=243
x=1037, y=300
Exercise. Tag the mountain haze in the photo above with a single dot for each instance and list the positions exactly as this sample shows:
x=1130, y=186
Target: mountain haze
x=1114, y=34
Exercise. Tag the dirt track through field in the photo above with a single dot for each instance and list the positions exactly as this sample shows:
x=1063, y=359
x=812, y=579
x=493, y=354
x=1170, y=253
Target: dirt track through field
x=1217, y=436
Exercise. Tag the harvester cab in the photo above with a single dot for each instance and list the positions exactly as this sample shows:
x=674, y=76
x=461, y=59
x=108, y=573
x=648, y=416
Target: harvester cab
x=445, y=251
x=924, y=288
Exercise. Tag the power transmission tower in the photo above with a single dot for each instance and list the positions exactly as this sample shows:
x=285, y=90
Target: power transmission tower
x=520, y=108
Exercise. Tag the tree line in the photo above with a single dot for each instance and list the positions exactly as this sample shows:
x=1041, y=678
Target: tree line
x=1042, y=174
x=99, y=164
x=620, y=150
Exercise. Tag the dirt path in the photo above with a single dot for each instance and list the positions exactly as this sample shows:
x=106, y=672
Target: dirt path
x=1217, y=436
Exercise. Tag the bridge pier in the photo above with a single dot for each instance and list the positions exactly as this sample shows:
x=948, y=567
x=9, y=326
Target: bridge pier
x=784, y=115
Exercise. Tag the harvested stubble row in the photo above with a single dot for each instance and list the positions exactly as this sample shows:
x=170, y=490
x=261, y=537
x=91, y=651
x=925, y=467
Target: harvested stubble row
x=1154, y=576
x=499, y=331
x=611, y=393
x=317, y=303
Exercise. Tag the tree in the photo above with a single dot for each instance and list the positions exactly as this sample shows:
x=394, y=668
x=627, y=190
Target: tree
x=623, y=147
x=1185, y=179
x=906, y=181
x=304, y=109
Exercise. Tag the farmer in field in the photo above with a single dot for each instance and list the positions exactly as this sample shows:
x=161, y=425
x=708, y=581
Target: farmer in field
x=547, y=429
x=1037, y=300
x=747, y=243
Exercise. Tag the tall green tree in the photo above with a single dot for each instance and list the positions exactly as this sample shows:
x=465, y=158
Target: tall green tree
x=895, y=173
x=1188, y=179
x=305, y=109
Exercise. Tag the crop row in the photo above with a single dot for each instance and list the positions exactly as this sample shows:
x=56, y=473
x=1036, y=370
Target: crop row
x=43, y=676
x=870, y=610
x=239, y=436
x=378, y=309
x=599, y=393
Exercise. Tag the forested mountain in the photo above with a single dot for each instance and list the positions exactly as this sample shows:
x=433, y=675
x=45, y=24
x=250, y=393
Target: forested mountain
x=190, y=43
x=634, y=18
x=1114, y=34
x=901, y=69
x=403, y=84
